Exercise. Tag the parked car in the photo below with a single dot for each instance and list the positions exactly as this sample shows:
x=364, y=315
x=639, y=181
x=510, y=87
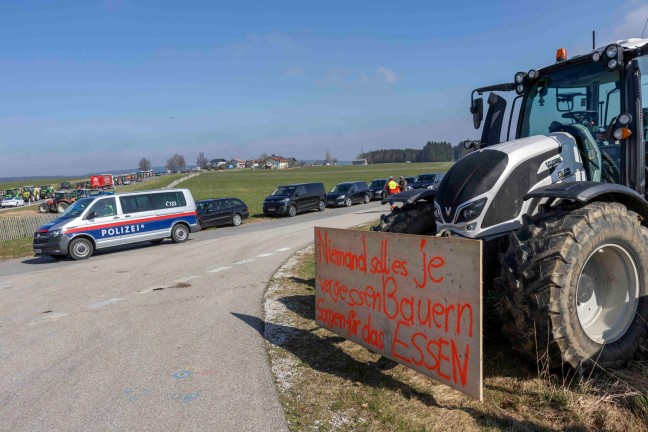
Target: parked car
x=295, y=198
x=410, y=181
x=428, y=181
x=377, y=188
x=12, y=202
x=348, y=193
x=221, y=211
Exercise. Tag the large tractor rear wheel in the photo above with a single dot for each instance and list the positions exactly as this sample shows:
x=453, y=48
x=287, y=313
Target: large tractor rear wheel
x=61, y=206
x=417, y=218
x=574, y=286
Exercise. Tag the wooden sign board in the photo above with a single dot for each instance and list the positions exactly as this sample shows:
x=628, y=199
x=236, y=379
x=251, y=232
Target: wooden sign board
x=414, y=299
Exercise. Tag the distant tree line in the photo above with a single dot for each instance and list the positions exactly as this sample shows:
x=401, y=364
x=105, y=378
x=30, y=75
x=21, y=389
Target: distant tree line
x=432, y=151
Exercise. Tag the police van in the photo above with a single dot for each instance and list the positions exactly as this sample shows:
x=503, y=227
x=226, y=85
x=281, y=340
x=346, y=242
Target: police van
x=103, y=221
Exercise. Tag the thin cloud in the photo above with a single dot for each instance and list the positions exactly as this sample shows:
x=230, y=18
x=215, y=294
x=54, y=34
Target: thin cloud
x=632, y=24
x=386, y=75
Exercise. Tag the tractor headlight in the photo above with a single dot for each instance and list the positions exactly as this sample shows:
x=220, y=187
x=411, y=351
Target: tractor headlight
x=519, y=89
x=519, y=77
x=624, y=119
x=471, y=211
x=611, y=51
x=54, y=233
x=596, y=56
x=532, y=74
x=614, y=56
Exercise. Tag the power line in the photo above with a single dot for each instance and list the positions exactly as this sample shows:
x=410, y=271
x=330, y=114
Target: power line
x=642, y=33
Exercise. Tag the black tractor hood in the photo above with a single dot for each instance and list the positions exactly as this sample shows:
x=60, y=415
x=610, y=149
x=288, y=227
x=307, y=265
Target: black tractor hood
x=472, y=175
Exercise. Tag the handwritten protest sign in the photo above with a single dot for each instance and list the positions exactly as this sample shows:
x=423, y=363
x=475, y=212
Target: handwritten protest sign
x=413, y=299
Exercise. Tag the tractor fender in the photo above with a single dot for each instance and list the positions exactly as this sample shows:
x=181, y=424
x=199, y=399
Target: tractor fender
x=585, y=192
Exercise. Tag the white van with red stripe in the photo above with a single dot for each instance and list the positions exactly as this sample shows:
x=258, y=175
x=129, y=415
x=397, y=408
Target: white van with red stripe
x=107, y=220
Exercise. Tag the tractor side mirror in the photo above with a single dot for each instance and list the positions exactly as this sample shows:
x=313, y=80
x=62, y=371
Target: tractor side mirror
x=477, y=110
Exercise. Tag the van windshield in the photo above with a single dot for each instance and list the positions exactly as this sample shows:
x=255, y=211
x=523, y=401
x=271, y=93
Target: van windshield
x=76, y=209
x=284, y=191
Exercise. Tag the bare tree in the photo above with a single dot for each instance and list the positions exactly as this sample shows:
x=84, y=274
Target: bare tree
x=144, y=164
x=176, y=163
x=202, y=161
x=328, y=156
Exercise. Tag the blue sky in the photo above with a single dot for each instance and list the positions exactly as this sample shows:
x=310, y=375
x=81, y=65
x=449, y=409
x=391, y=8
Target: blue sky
x=92, y=86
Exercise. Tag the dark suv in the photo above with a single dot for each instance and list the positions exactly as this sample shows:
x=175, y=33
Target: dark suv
x=347, y=193
x=377, y=188
x=428, y=181
x=295, y=198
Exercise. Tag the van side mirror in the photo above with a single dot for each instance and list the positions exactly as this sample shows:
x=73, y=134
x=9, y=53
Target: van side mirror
x=477, y=111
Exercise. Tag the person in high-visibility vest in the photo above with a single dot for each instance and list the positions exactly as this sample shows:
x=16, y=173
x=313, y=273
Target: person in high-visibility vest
x=391, y=186
x=392, y=189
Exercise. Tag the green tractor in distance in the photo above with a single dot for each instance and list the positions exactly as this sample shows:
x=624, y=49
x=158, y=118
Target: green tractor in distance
x=66, y=185
x=30, y=193
x=15, y=192
x=46, y=191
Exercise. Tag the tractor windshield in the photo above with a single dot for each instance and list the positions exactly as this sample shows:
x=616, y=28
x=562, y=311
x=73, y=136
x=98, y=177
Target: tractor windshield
x=582, y=101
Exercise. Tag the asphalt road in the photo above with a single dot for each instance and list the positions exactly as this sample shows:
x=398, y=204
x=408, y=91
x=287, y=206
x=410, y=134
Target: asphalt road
x=149, y=338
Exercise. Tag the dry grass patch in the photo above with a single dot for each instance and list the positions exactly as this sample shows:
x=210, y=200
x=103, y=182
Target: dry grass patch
x=327, y=383
x=10, y=249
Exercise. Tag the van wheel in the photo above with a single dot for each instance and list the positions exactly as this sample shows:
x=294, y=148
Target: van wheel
x=180, y=233
x=321, y=206
x=292, y=211
x=347, y=202
x=236, y=219
x=80, y=249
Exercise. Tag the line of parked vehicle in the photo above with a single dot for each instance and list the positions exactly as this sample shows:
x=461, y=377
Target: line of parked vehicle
x=292, y=199
x=103, y=220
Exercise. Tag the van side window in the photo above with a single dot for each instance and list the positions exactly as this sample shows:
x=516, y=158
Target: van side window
x=301, y=191
x=166, y=200
x=136, y=203
x=104, y=207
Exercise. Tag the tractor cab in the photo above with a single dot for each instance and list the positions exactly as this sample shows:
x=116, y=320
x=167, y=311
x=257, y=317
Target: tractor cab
x=597, y=99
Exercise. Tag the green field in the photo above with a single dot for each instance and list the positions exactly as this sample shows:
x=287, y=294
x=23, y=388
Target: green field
x=252, y=186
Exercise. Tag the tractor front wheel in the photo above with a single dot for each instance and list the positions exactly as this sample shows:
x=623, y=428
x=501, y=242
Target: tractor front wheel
x=574, y=286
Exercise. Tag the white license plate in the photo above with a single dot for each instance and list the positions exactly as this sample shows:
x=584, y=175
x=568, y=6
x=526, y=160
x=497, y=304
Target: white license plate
x=271, y=209
x=38, y=251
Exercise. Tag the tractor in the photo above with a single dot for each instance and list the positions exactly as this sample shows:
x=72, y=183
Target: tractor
x=560, y=207
x=15, y=192
x=61, y=201
x=46, y=191
x=30, y=193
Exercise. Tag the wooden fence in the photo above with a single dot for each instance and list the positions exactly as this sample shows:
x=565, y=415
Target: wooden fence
x=12, y=228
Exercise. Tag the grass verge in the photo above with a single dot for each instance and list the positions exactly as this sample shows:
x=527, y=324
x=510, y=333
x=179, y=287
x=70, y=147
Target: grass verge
x=10, y=249
x=327, y=383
